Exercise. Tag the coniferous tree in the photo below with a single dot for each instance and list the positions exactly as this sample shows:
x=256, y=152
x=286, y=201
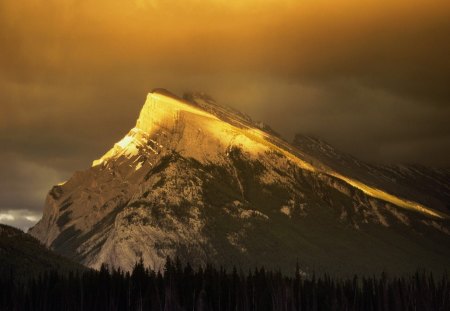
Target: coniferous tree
x=180, y=287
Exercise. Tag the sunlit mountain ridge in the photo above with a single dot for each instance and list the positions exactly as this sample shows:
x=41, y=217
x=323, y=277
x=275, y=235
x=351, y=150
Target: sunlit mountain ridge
x=161, y=107
x=206, y=183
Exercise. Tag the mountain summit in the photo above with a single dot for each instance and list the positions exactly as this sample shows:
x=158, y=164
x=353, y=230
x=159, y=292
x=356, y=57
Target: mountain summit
x=205, y=183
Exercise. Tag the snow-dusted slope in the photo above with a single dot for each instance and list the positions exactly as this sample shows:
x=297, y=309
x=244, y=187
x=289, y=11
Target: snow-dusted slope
x=206, y=183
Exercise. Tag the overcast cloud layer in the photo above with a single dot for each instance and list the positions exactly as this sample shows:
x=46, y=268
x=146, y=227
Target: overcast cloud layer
x=371, y=77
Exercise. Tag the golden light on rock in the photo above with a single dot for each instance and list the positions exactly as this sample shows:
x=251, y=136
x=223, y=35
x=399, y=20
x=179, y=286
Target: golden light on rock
x=164, y=112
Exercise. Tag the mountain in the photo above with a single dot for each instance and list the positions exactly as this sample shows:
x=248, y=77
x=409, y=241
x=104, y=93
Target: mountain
x=22, y=256
x=205, y=183
x=428, y=186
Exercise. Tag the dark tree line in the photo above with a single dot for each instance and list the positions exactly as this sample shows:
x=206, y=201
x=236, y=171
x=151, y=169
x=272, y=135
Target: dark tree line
x=181, y=287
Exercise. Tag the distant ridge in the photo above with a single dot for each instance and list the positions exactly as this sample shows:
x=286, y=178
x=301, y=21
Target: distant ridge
x=23, y=256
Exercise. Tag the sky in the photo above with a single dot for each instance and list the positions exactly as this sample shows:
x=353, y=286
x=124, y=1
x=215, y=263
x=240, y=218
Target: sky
x=371, y=77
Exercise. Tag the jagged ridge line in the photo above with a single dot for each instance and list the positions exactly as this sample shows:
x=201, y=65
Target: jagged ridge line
x=266, y=140
x=371, y=191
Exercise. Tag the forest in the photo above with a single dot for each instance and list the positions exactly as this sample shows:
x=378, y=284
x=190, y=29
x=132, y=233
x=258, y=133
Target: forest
x=182, y=287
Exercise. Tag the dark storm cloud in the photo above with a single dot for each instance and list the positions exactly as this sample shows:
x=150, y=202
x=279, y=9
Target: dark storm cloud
x=371, y=77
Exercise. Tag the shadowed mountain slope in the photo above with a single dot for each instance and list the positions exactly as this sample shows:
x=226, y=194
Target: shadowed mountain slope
x=22, y=256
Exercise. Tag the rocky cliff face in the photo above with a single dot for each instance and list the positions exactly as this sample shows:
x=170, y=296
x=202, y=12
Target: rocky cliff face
x=205, y=183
